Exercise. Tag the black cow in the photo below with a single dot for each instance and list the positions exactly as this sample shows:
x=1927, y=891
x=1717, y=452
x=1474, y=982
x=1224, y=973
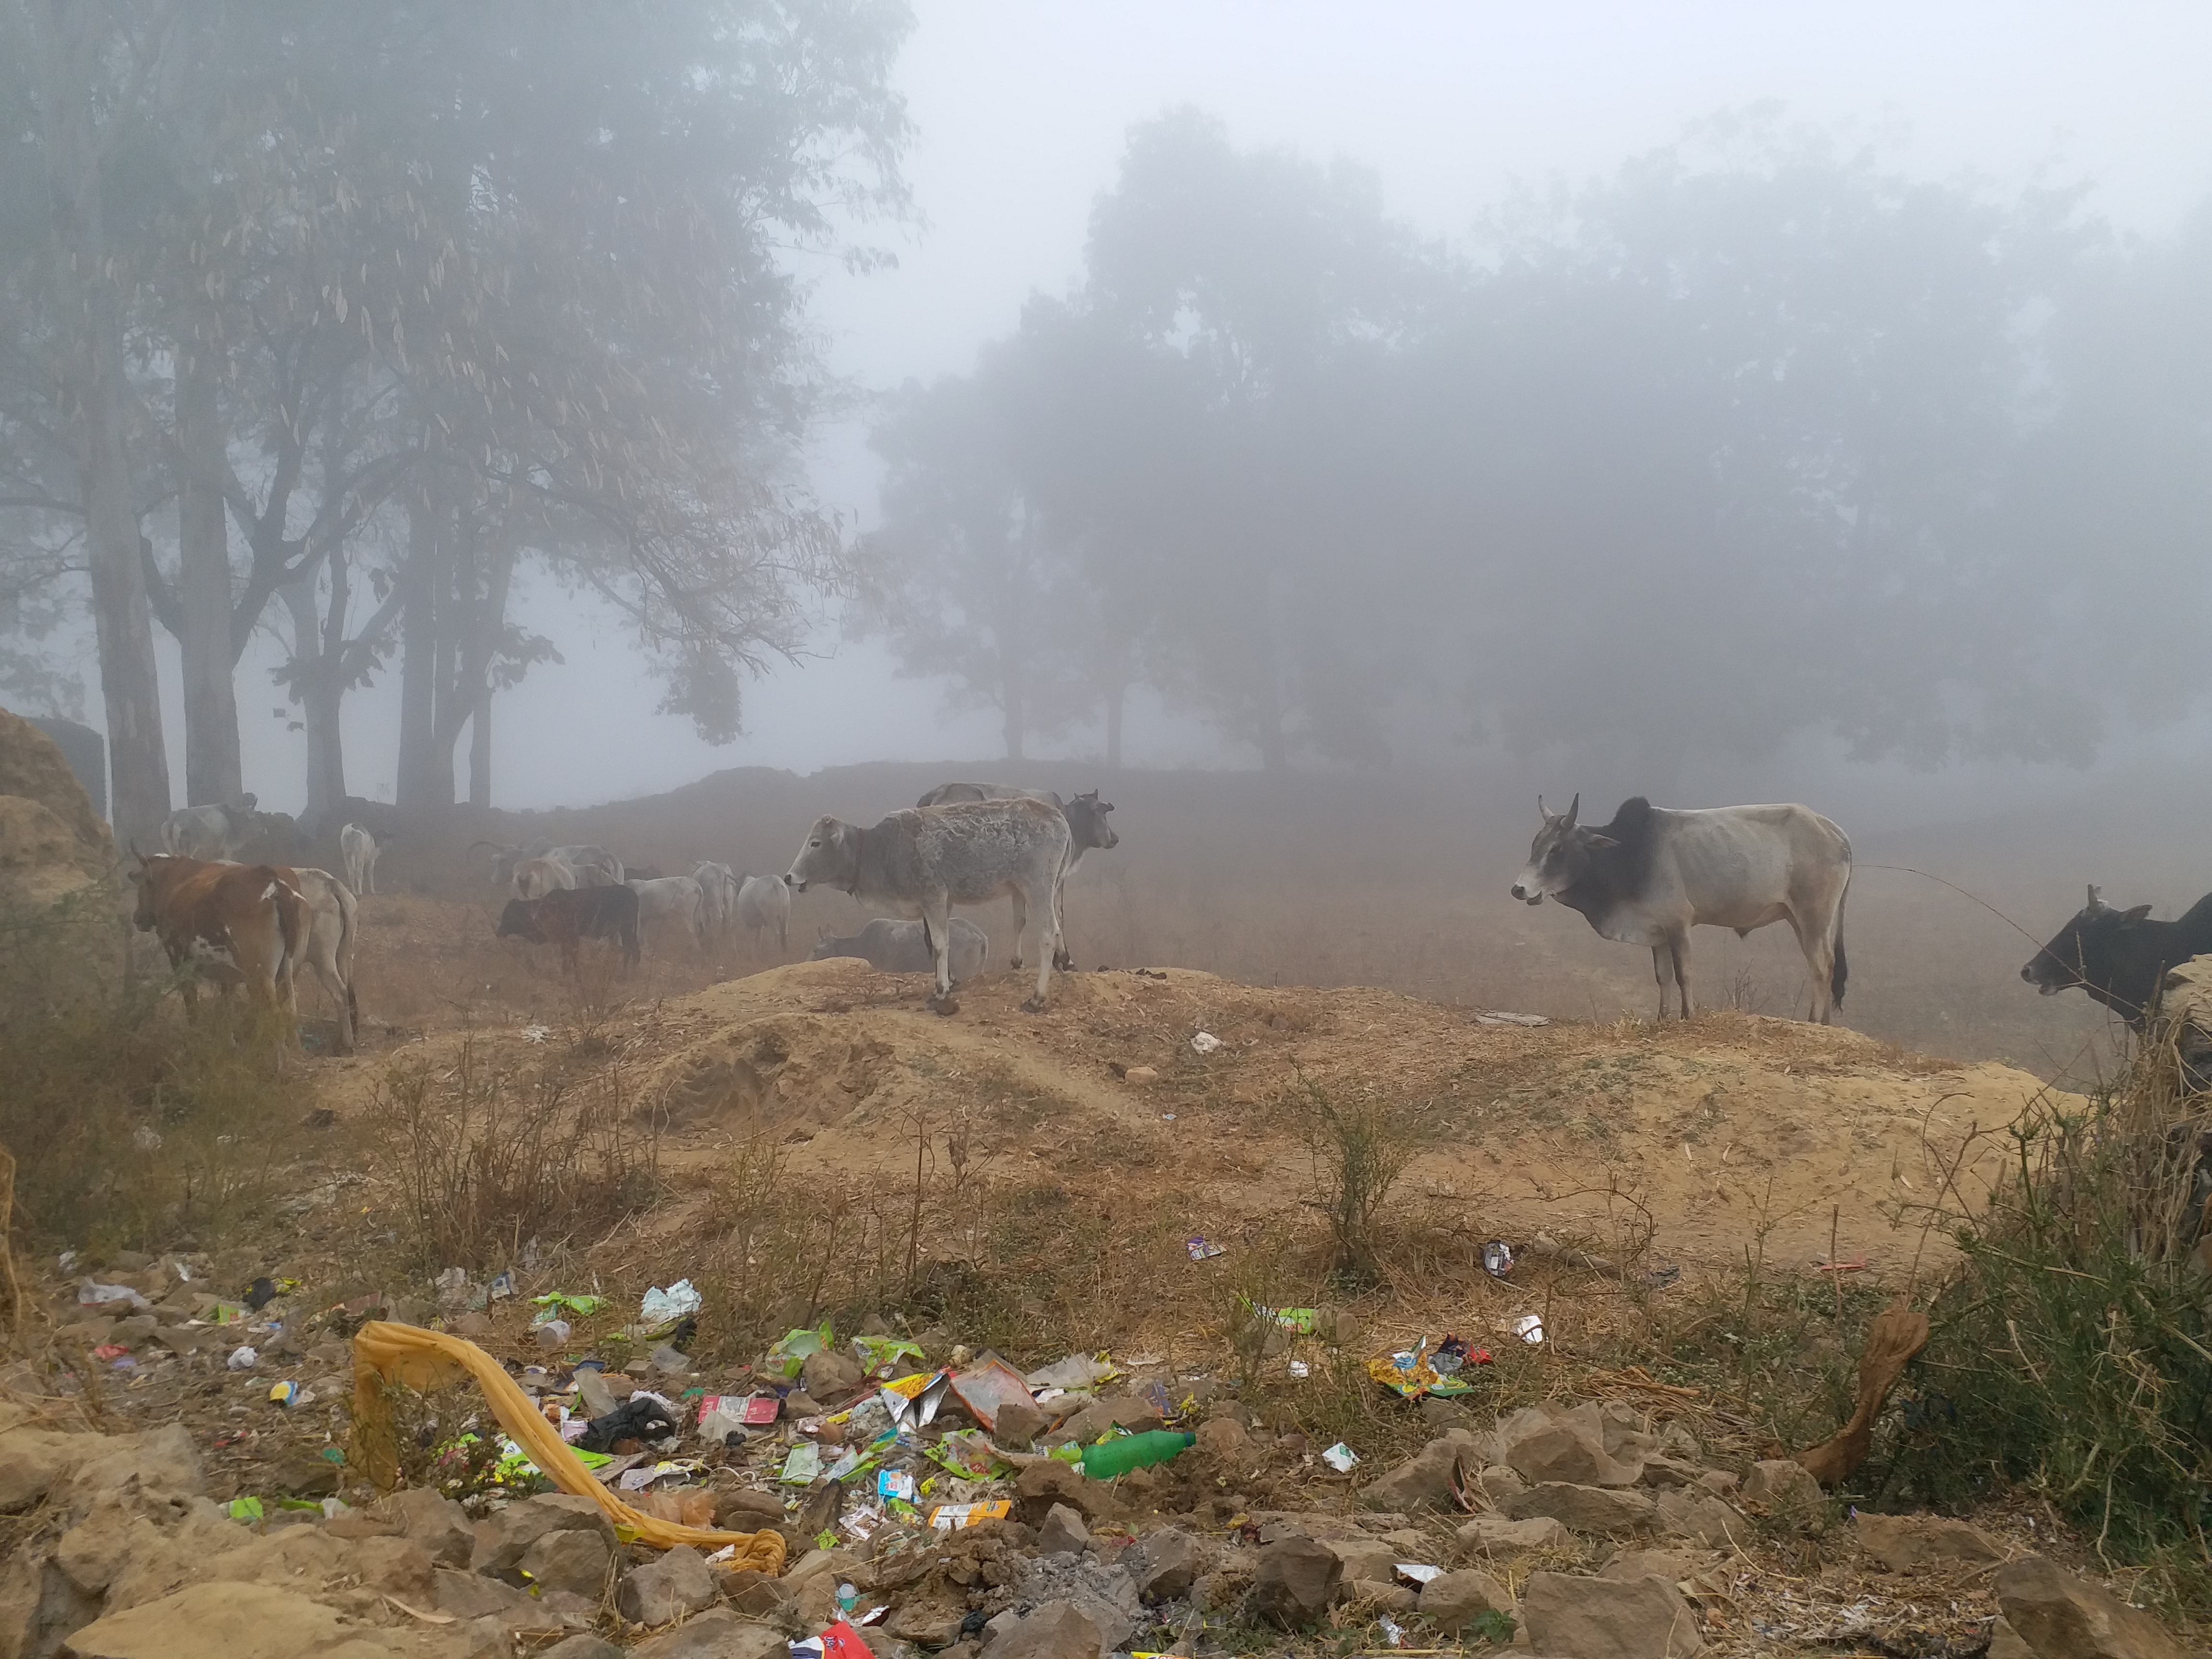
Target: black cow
x=2119, y=957
x=566, y=916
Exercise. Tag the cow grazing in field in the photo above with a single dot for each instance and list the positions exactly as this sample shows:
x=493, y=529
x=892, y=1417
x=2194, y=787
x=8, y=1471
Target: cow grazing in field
x=2120, y=958
x=900, y=947
x=587, y=865
x=209, y=832
x=1652, y=874
x=672, y=898
x=718, y=883
x=568, y=915
x=333, y=925
x=1086, y=828
x=922, y=862
x=359, y=851
x=765, y=902
x=243, y=923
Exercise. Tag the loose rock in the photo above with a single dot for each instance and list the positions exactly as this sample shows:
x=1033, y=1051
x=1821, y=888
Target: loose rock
x=1494, y=1535
x=1296, y=1580
x=1063, y=1532
x=1898, y=1541
x=572, y=1559
x=1579, y=1618
x=507, y=1536
x=679, y=1582
x=1696, y=1513
x=1786, y=1488
x=716, y=1634
x=1164, y=1564
x=1551, y=1442
x=1057, y=1630
x=1587, y=1509
x=2060, y=1616
x=1456, y=1600
x=1423, y=1481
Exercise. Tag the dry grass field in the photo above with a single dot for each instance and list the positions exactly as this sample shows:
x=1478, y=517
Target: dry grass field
x=1396, y=882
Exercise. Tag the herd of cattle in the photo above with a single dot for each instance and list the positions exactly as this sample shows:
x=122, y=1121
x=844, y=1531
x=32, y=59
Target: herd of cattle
x=1647, y=878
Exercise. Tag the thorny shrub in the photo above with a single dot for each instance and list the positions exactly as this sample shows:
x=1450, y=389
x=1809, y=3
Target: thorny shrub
x=1360, y=1144
x=131, y=1126
x=485, y=1157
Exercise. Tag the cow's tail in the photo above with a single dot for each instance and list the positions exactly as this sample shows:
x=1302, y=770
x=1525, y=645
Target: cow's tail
x=1840, y=974
x=349, y=926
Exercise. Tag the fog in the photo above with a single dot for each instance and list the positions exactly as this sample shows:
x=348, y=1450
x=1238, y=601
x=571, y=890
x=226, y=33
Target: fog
x=2062, y=153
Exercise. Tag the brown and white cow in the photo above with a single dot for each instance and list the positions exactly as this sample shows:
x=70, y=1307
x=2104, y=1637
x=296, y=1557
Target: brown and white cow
x=242, y=923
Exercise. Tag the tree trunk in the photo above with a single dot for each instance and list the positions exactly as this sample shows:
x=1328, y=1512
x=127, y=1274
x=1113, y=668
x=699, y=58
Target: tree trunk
x=480, y=750
x=491, y=621
x=422, y=577
x=320, y=701
x=73, y=43
x=213, y=772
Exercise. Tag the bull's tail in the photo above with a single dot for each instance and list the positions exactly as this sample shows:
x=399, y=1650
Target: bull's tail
x=1840, y=974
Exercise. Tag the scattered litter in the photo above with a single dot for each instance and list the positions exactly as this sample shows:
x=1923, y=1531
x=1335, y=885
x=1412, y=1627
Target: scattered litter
x=554, y=1334
x=637, y=1478
x=1415, y=1572
x=1529, y=1328
x=662, y=1306
x=454, y=1286
x=840, y=1641
x=1206, y=1043
x=951, y=1517
x=1497, y=1258
x=1077, y=1370
x=913, y=1401
x=260, y=1294
x=146, y=1138
x=91, y=1295
x=1340, y=1457
x=728, y=1552
x=1201, y=1249
x=1167, y=1117
x=536, y=1033
x=848, y=1597
x=244, y=1359
x=290, y=1393
x=1450, y=1354
x=244, y=1509
x=1408, y=1373
x=1393, y=1631
x=642, y=1417
x=880, y=1355
x=789, y=1355
x=1300, y=1321
x=967, y=1453
x=721, y=1415
x=502, y=1286
x=553, y=1304
x=1110, y=1458
x=804, y=1467
x=670, y=1361
x=1299, y=1368
x=896, y=1483
x=988, y=1389
x=1499, y=1017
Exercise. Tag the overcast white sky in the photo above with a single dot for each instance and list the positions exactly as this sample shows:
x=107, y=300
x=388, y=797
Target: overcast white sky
x=1022, y=106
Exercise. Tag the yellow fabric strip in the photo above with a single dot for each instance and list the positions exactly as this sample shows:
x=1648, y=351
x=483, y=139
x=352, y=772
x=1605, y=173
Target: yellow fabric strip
x=424, y=1359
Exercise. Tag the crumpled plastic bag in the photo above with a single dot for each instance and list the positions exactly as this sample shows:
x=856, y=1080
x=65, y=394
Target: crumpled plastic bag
x=90, y=1294
x=787, y=1358
x=664, y=1307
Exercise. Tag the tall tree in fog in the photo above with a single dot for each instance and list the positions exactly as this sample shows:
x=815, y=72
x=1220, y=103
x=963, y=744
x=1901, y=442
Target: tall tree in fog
x=976, y=583
x=1283, y=290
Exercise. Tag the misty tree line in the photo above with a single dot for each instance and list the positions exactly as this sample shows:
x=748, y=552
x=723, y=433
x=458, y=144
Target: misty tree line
x=319, y=319
x=1754, y=438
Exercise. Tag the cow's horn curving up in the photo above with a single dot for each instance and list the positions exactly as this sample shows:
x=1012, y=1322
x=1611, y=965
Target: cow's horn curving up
x=1574, y=810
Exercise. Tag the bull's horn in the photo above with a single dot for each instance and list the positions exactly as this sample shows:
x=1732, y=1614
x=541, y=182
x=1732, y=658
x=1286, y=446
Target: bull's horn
x=1574, y=810
x=1540, y=812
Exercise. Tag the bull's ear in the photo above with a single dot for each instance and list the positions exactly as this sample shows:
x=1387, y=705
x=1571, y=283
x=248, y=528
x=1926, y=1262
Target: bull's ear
x=1597, y=843
x=2096, y=898
x=2135, y=913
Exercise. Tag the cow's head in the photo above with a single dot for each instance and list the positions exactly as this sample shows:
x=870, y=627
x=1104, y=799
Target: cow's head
x=2082, y=952
x=1559, y=854
x=1087, y=819
x=145, y=879
x=830, y=855
x=519, y=920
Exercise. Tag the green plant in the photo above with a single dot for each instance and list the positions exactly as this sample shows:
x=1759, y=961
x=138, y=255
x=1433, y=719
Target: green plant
x=2070, y=1352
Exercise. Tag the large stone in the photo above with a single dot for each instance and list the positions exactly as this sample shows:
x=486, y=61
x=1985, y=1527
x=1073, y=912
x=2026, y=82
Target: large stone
x=1786, y=1488
x=1499, y=1483
x=397, y=1566
x=831, y=1375
x=1551, y=1442
x=1626, y=1439
x=1575, y=1617
x=1587, y=1509
x=582, y=1645
x=1456, y=1600
x=1423, y=1481
x=1164, y=1564
x=661, y=1592
x=1631, y=1564
x=436, y=1523
x=1493, y=1535
x=1696, y=1513
x=1044, y=1484
x=503, y=1540
x=717, y=1634
x=1018, y=1424
x=1063, y=1532
x=931, y=1624
x=2060, y=1616
x=1898, y=1541
x=1224, y=1439
x=162, y=1460
x=1296, y=1580
x=225, y=1621
x=757, y=1595
x=1057, y=1630
x=574, y=1560
x=94, y=1551
x=1365, y=1557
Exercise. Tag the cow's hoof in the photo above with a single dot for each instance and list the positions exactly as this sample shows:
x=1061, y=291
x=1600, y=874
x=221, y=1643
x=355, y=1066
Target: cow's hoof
x=947, y=1004
x=1063, y=964
x=1033, y=1005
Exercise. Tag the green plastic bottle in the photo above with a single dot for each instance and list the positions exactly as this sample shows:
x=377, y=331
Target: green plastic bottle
x=1134, y=1451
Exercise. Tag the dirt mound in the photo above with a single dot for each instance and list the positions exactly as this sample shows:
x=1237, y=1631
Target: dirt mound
x=51, y=840
x=1729, y=1131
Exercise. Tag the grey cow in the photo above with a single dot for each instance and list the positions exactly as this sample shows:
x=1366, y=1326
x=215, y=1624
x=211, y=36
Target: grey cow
x=1086, y=827
x=900, y=947
x=1651, y=875
x=922, y=862
x=210, y=832
x=765, y=902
